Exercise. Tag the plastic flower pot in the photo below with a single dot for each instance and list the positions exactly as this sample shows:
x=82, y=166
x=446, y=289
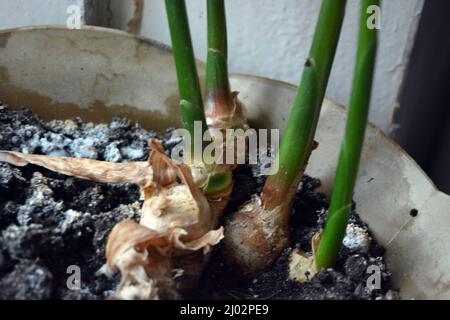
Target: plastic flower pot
x=98, y=73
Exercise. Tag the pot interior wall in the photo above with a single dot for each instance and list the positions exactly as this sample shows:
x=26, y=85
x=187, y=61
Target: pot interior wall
x=99, y=73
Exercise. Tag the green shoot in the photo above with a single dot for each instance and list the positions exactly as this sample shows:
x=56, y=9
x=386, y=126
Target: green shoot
x=191, y=101
x=219, y=101
x=256, y=234
x=298, y=138
x=223, y=110
x=188, y=81
x=347, y=169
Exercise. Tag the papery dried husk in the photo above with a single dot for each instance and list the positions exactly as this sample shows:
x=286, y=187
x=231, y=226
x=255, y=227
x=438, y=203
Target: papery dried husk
x=216, y=119
x=176, y=206
x=254, y=237
x=173, y=208
x=140, y=173
x=166, y=174
x=147, y=260
x=199, y=177
x=235, y=119
x=302, y=265
x=143, y=258
x=182, y=211
x=203, y=244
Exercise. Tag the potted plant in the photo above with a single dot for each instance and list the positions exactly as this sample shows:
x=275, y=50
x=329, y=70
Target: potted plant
x=163, y=181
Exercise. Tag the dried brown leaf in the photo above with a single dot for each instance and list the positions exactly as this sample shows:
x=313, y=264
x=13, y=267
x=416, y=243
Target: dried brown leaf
x=140, y=173
x=164, y=173
x=302, y=266
x=205, y=242
x=143, y=257
x=177, y=206
x=216, y=118
x=129, y=234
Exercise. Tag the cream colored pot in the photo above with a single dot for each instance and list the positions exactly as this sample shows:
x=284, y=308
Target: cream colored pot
x=99, y=73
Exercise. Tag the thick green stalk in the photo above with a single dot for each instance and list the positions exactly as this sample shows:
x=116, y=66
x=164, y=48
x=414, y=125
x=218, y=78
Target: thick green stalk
x=188, y=82
x=298, y=138
x=217, y=26
x=218, y=95
x=219, y=102
x=346, y=173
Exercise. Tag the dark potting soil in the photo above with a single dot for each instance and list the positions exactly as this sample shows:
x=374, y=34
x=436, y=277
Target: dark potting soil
x=52, y=226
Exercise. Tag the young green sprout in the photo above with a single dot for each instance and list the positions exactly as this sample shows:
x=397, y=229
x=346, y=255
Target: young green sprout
x=191, y=101
x=347, y=169
x=257, y=233
x=222, y=108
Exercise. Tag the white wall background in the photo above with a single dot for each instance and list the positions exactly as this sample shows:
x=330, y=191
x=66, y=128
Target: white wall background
x=268, y=38
x=18, y=13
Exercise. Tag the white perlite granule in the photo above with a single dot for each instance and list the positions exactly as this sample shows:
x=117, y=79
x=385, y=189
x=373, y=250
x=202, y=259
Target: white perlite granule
x=112, y=152
x=132, y=153
x=356, y=238
x=70, y=216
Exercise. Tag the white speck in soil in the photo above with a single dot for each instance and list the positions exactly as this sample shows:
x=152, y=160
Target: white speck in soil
x=357, y=238
x=112, y=152
x=132, y=153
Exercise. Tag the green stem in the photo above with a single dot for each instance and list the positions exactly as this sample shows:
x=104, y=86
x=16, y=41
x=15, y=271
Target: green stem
x=219, y=102
x=346, y=173
x=298, y=138
x=188, y=81
x=218, y=95
x=217, y=26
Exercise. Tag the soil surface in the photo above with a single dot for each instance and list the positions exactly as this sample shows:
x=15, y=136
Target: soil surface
x=51, y=224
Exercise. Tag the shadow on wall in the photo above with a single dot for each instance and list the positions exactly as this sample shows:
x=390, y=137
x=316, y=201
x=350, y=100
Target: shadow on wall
x=424, y=117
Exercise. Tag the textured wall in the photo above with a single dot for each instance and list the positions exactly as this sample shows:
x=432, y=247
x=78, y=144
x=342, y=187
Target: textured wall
x=19, y=13
x=272, y=38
